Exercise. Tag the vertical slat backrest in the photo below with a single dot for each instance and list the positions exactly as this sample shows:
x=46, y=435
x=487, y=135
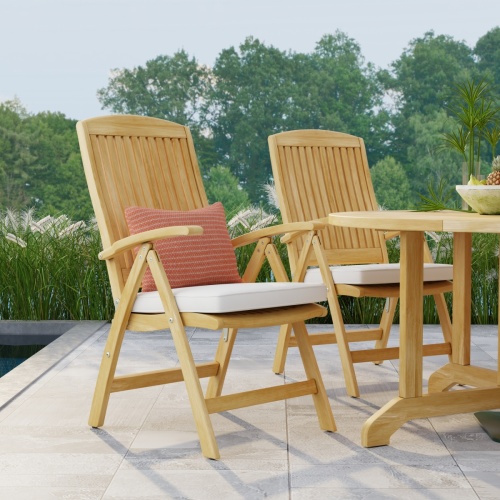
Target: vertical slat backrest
x=136, y=161
x=318, y=172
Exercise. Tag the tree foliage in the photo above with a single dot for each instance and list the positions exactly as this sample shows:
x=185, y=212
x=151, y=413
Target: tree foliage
x=40, y=163
x=221, y=185
x=425, y=73
x=422, y=82
x=424, y=87
x=346, y=93
x=15, y=157
x=427, y=160
x=391, y=185
x=251, y=92
x=487, y=50
x=251, y=100
x=166, y=87
x=255, y=90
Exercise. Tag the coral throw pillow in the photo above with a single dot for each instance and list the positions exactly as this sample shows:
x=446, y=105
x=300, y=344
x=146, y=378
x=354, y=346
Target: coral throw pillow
x=189, y=260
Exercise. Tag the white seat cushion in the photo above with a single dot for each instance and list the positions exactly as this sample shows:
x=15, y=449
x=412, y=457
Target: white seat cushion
x=234, y=297
x=377, y=274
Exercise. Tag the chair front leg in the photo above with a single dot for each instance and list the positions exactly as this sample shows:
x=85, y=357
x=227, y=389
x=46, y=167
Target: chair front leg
x=280, y=273
x=282, y=348
x=199, y=409
x=338, y=321
x=323, y=408
x=115, y=339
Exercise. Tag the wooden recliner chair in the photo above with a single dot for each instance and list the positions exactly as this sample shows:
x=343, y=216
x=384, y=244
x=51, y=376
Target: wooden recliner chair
x=318, y=172
x=142, y=173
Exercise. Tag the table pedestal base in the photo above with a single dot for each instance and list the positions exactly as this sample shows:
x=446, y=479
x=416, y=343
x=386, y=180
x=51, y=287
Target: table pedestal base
x=454, y=374
x=379, y=428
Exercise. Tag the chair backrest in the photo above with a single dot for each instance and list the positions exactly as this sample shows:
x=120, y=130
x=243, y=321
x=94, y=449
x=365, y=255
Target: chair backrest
x=136, y=161
x=317, y=172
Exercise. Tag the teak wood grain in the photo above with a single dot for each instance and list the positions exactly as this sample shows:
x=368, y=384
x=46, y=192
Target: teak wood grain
x=318, y=172
x=440, y=400
x=147, y=162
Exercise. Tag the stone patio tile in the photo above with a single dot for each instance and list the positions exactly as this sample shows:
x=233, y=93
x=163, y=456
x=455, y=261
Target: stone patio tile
x=85, y=464
x=378, y=476
x=80, y=440
x=51, y=493
x=486, y=484
x=220, y=484
x=478, y=461
x=382, y=494
x=148, y=446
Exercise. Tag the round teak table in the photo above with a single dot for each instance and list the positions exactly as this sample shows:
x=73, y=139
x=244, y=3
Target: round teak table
x=411, y=403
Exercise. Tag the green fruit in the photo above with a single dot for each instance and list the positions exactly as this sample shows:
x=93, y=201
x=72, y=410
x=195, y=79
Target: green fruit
x=475, y=182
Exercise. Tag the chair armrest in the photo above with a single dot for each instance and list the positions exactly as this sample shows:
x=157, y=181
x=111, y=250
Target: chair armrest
x=135, y=240
x=295, y=228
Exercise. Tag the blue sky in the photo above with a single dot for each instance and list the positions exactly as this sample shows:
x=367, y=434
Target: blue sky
x=55, y=54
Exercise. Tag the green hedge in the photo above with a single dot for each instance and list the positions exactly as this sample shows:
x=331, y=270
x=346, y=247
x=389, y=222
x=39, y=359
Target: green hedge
x=49, y=269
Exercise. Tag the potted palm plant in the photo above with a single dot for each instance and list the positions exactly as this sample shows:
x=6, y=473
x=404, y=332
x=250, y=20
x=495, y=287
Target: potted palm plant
x=477, y=118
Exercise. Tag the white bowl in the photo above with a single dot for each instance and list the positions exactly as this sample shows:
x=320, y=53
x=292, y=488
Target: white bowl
x=482, y=199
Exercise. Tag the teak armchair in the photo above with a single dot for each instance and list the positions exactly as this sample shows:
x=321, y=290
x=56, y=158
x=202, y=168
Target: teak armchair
x=133, y=161
x=318, y=172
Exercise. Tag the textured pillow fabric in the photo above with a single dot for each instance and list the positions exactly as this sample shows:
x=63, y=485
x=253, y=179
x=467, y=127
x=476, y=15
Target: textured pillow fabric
x=208, y=259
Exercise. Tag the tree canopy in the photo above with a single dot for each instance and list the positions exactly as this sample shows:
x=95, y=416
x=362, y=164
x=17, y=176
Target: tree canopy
x=40, y=164
x=255, y=90
x=391, y=184
x=487, y=50
x=168, y=87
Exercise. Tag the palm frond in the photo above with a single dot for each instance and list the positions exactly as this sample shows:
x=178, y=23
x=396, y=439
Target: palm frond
x=440, y=198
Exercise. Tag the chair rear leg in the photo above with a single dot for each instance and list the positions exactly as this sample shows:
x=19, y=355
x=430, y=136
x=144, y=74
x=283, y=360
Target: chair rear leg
x=386, y=324
x=282, y=348
x=444, y=317
x=285, y=330
x=199, y=409
x=222, y=356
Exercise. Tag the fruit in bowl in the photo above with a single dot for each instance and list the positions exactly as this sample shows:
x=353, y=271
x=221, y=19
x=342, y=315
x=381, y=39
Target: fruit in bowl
x=483, y=196
x=493, y=179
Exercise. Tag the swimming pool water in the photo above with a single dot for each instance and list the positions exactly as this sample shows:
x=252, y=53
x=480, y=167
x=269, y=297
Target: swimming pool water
x=13, y=355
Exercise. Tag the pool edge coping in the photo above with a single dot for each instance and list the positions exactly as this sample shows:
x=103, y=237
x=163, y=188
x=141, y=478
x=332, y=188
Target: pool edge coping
x=14, y=383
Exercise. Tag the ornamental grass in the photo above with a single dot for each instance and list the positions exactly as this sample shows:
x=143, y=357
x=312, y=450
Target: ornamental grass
x=49, y=270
